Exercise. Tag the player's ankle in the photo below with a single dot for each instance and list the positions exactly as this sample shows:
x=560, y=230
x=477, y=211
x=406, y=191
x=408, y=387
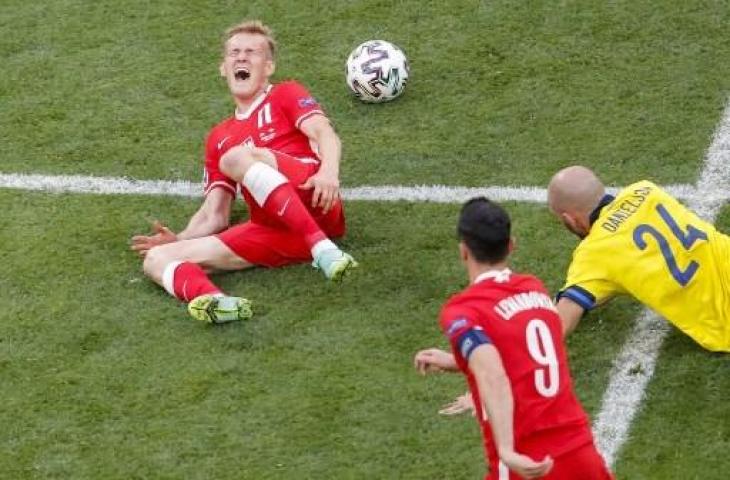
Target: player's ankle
x=321, y=246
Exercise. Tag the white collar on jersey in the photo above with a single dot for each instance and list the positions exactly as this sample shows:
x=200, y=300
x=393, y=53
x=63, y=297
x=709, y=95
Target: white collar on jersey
x=254, y=105
x=499, y=276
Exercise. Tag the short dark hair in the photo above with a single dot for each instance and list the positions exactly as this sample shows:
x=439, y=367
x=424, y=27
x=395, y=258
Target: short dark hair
x=484, y=226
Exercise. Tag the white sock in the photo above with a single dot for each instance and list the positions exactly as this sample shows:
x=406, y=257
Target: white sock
x=168, y=277
x=260, y=180
x=321, y=246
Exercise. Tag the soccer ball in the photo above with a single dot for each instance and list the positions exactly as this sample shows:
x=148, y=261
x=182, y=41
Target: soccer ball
x=377, y=71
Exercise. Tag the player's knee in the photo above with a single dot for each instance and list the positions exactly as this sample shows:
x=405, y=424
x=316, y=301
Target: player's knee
x=236, y=161
x=155, y=262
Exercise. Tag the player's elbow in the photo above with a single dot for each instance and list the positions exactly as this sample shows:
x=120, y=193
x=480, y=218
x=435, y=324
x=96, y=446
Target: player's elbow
x=495, y=381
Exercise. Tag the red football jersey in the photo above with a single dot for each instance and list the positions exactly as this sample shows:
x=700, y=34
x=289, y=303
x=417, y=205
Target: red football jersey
x=519, y=318
x=272, y=122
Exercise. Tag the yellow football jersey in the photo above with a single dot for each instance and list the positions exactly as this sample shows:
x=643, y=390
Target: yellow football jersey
x=647, y=244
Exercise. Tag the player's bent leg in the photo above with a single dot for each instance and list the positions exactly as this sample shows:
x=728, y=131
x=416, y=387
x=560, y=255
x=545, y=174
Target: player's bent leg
x=210, y=253
x=269, y=246
x=273, y=191
x=178, y=267
x=328, y=257
x=239, y=159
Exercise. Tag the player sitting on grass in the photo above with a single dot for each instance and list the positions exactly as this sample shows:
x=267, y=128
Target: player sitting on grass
x=281, y=151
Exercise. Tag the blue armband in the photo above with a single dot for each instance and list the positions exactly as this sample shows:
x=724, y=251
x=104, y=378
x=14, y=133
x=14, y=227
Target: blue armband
x=470, y=340
x=579, y=295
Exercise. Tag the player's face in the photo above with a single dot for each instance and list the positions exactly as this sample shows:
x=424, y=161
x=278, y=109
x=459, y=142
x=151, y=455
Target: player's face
x=574, y=225
x=247, y=65
x=569, y=221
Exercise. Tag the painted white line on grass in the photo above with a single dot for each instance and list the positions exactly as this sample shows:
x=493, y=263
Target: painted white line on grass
x=716, y=172
x=98, y=185
x=634, y=366
x=418, y=193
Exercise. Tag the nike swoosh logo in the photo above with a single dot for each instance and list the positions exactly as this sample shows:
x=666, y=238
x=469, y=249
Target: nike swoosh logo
x=283, y=209
x=222, y=142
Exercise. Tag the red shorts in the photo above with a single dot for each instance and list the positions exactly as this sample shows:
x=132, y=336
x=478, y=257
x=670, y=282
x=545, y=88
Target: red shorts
x=264, y=240
x=584, y=463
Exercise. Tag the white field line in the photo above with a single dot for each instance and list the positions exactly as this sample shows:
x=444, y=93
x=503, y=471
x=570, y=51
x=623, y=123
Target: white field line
x=418, y=193
x=634, y=366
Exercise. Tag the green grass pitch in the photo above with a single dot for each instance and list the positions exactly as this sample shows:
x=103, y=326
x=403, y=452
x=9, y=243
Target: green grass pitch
x=104, y=376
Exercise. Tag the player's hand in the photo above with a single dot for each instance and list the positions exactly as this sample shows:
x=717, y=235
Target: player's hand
x=143, y=243
x=462, y=404
x=434, y=360
x=526, y=467
x=326, y=190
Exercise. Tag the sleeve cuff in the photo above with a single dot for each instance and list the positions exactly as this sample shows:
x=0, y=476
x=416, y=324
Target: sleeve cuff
x=579, y=295
x=219, y=184
x=305, y=116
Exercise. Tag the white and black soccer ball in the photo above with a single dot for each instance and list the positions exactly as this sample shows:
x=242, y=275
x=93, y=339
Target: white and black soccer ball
x=377, y=71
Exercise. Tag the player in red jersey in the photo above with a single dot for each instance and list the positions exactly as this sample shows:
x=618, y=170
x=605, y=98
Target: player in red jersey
x=281, y=151
x=506, y=337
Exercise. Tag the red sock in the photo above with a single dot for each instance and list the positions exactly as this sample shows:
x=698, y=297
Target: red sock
x=285, y=204
x=190, y=281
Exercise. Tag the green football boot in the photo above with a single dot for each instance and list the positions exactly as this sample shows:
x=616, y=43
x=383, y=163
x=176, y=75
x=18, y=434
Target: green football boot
x=220, y=309
x=334, y=263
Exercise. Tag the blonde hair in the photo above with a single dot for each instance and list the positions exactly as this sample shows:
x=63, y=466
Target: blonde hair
x=255, y=27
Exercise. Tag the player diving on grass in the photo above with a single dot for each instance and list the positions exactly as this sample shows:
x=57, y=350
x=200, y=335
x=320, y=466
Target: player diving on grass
x=506, y=337
x=281, y=151
x=644, y=243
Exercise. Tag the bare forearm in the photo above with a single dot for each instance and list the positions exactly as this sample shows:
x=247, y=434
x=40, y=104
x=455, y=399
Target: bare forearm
x=449, y=363
x=435, y=360
x=330, y=150
x=203, y=224
x=497, y=396
x=570, y=314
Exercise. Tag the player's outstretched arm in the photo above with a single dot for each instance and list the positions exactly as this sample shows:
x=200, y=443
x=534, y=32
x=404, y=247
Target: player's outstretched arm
x=326, y=182
x=213, y=215
x=434, y=360
x=486, y=365
x=570, y=314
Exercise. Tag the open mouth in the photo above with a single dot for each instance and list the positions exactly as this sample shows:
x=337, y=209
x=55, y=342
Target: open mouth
x=241, y=74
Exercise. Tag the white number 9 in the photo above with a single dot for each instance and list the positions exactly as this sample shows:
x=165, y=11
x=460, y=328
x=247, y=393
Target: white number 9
x=542, y=350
